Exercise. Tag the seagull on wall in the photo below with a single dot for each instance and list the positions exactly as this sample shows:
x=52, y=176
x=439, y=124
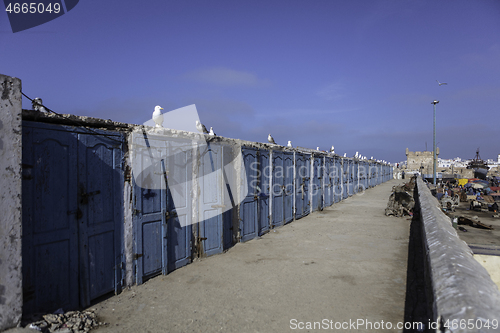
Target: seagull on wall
x=37, y=105
x=441, y=83
x=212, y=131
x=270, y=139
x=289, y=144
x=332, y=150
x=157, y=116
x=201, y=128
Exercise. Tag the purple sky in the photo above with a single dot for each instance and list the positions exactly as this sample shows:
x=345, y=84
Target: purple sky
x=360, y=75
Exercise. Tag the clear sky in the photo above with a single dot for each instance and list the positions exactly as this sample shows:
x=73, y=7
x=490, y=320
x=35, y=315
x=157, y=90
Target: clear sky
x=356, y=74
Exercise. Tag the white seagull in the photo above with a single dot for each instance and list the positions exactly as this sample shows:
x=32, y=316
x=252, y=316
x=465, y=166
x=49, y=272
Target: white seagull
x=356, y=155
x=212, y=131
x=37, y=105
x=444, y=83
x=332, y=150
x=201, y=128
x=270, y=139
x=317, y=148
x=289, y=144
x=157, y=116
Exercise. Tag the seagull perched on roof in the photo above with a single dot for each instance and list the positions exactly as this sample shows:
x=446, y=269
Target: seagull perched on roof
x=212, y=131
x=356, y=155
x=201, y=128
x=443, y=83
x=345, y=154
x=332, y=150
x=37, y=105
x=270, y=139
x=157, y=116
x=289, y=144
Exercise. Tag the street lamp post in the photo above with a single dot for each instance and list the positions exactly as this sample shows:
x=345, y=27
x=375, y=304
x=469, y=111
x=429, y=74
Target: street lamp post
x=434, y=153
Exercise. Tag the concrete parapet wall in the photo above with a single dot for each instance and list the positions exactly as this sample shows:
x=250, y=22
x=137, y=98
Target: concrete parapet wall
x=10, y=202
x=462, y=290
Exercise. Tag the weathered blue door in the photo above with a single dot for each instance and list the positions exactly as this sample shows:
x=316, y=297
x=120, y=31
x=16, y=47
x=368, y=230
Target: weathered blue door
x=307, y=185
x=337, y=174
x=179, y=201
x=72, y=213
x=288, y=185
x=355, y=175
x=350, y=171
x=249, y=206
x=265, y=188
x=345, y=178
x=100, y=199
x=211, y=186
x=317, y=189
x=277, y=189
x=328, y=181
x=50, y=219
x=299, y=185
x=150, y=207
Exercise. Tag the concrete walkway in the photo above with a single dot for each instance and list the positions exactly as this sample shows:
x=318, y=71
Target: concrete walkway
x=336, y=267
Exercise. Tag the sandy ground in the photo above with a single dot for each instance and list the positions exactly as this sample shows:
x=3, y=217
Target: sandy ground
x=347, y=262
x=343, y=266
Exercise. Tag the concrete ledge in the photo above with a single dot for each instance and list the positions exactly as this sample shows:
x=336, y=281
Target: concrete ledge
x=462, y=289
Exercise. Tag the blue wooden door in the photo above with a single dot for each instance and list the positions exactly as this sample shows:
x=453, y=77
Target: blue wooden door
x=307, y=183
x=278, y=189
x=178, y=217
x=150, y=207
x=355, y=176
x=211, y=185
x=337, y=174
x=288, y=186
x=50, y=220
x=265, y=188
x=328, y=174
x=72, y=216
x=100, y=197
x=249, y=206
x=345, y=178
x=317, y=190
x=299, y=185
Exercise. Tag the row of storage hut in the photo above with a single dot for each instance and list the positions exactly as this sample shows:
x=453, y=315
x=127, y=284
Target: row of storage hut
x=107, y=205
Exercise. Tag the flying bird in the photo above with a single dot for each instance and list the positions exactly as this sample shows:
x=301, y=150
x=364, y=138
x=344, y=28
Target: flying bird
x=444, y=83
x=201, y=128
x=270, y=139
x=212, y=131
x=157, y=116
x=289, y=144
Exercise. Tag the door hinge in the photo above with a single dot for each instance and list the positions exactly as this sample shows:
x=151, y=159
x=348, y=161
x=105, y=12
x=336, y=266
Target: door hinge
x=137, y=255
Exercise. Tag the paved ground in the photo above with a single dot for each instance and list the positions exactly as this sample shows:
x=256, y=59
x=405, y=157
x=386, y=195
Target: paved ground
x=346, y=263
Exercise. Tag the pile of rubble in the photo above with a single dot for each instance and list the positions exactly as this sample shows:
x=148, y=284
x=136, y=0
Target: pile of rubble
x=401, y=201
x=69, y=322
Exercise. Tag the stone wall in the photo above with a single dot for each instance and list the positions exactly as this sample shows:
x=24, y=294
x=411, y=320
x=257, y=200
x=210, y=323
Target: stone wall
x=461, y=290
x=10, y=202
